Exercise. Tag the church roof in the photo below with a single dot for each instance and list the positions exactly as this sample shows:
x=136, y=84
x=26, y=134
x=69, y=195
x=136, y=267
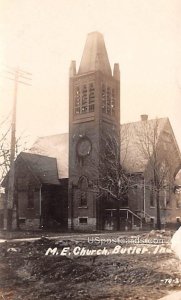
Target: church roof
x=56, y=146
x=136, y=136
x=95, y=56
x=42, y=167
x=132, y=159
x=131, y=155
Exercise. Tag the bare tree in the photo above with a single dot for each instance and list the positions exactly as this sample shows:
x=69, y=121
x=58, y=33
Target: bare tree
x=155, y=152
x=114, y=182
x=5, y=147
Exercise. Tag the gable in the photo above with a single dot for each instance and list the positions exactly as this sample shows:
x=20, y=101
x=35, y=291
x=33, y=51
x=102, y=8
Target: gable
x=56, y=146
x=151, y=133
x=42, y=168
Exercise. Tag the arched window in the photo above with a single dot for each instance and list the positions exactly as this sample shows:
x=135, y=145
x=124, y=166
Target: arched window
x=83, y=186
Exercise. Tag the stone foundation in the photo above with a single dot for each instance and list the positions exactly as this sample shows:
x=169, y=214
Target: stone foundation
x=83, y=224
x=30, y=224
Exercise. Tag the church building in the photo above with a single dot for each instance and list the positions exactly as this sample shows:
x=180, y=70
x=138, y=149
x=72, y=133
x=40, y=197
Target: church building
x=72, y=180
x=94, y=110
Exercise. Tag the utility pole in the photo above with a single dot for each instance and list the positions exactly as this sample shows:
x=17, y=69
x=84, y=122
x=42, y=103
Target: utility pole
x=10, y=207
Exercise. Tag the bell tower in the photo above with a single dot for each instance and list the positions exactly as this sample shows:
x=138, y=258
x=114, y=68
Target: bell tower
x=94, y=109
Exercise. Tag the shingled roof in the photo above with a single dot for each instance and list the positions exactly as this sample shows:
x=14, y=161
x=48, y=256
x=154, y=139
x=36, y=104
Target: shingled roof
x=132, y=157
x=57, y=146
x=42, y=167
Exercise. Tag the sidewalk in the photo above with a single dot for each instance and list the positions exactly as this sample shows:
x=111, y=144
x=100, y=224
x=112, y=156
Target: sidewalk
x=19, y=236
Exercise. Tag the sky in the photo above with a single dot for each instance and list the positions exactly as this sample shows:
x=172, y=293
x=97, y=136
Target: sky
x=43, y=36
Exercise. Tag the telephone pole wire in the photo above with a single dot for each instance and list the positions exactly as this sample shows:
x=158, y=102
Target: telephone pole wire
x=10, y=207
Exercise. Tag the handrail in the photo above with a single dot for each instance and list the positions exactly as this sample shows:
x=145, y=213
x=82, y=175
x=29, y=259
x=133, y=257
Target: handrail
x=146, y=214
x=131, y=212
x=128, y=211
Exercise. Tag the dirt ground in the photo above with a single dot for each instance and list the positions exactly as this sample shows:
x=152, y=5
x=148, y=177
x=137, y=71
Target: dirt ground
x=133, y=273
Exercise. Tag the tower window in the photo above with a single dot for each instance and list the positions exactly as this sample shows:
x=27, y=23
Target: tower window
x=84, y=99
x=108, y=100
x=83, y=186
x=77, y=100
x=113, y=102
x=91, y=93
x=91, y=97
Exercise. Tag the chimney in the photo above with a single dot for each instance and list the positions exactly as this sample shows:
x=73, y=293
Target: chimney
x=144, y=117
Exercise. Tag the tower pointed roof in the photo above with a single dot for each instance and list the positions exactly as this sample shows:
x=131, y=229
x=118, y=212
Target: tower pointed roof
x=95, y=56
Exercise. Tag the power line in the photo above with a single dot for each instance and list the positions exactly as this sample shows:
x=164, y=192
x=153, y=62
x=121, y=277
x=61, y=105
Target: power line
x=10, y=222
x=19, y=74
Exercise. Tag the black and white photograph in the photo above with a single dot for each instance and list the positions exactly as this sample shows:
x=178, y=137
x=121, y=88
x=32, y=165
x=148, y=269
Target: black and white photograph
x=90, y=149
